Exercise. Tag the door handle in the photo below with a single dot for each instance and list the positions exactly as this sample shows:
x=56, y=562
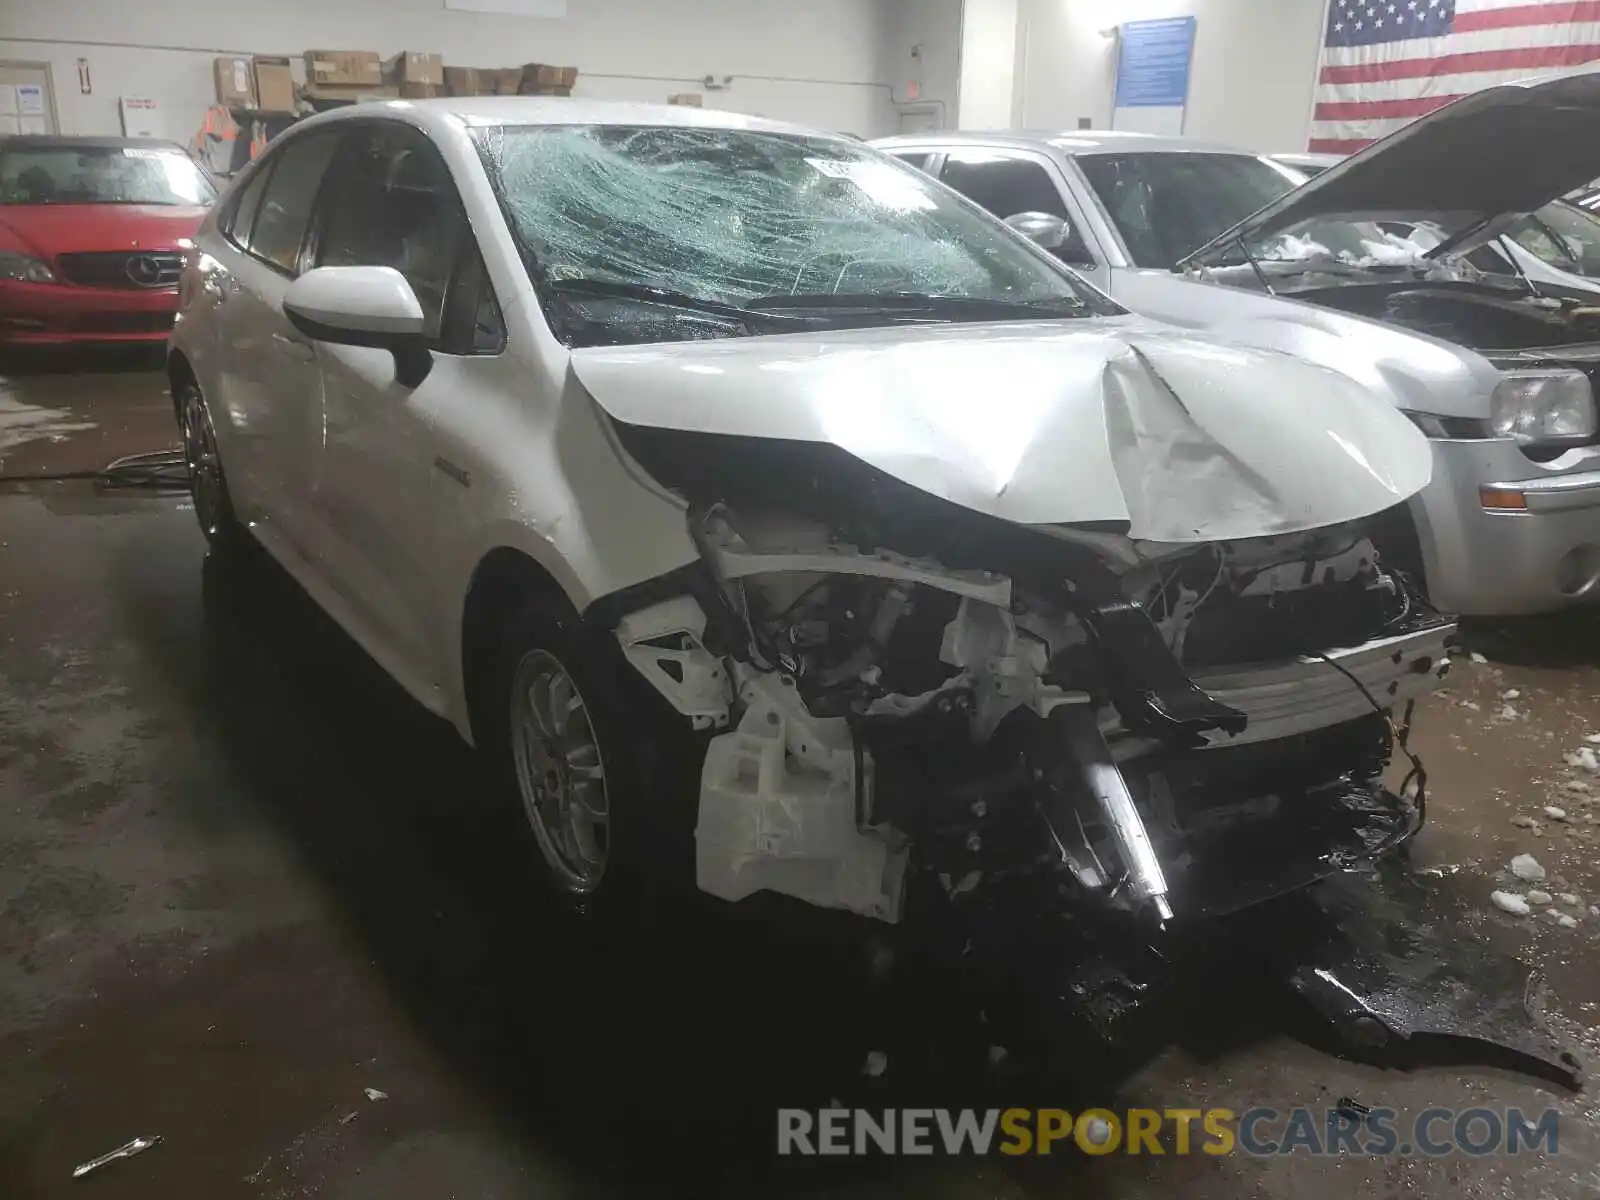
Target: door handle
x=298, y=347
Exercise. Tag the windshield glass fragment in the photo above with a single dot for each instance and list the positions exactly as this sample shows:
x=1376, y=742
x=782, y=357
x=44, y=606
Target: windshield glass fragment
x=665, y=233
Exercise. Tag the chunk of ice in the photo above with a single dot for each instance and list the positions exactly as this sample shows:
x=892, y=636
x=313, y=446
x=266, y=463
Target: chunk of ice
x=1526, y=868
x=1584, y=758
x=1510, y=902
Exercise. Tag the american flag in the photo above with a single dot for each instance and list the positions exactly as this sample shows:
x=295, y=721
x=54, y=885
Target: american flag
x=1387, y=62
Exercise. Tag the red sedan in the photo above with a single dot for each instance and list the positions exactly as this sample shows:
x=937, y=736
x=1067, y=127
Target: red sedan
x=92, y=237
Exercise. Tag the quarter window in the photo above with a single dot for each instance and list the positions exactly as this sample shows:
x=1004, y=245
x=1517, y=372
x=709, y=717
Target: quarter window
x=472, y=321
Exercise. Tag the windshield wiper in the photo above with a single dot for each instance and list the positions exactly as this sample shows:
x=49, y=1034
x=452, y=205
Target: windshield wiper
x=947, y=307
x=608, y=289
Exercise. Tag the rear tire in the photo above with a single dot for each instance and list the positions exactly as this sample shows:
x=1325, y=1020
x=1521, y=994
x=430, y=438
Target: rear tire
x=208, y=486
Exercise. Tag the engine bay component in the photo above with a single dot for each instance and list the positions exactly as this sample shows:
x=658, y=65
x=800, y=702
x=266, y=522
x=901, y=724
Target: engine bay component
x=664, y=644
x=1079, y=731
x=1283, y=699
x=1115, y=735
x=779, y=805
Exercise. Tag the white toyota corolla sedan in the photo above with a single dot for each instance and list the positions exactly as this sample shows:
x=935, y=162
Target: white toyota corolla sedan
x=781, y=521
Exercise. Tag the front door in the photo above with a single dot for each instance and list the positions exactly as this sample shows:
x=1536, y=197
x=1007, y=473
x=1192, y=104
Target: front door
x=391, y=203
x=1008, y=182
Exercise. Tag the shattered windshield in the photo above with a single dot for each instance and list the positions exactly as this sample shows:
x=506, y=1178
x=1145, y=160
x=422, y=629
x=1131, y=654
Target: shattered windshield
x=666, y=233
x=1563, y=235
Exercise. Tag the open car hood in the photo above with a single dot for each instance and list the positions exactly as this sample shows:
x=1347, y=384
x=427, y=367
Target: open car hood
x=1117, y=423
x=1490, y=156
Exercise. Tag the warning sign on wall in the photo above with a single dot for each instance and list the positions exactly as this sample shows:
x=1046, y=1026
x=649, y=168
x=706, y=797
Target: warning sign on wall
x=141, y=117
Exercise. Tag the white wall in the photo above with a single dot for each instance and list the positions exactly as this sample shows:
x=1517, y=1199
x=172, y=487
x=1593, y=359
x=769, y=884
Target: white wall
x=1254, y=65
x=989, y=46
x=921, y=44
x=815, y=63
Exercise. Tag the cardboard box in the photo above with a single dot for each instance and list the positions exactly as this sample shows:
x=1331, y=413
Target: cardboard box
x=343, y=68
x=688, y=100
x=538, y=76
x=236, y=82
x=421, y=91
x=412, y=66
x=507, y=81
x=548, y=91
x=332, y=91
x=274, y=84
x=468, y=81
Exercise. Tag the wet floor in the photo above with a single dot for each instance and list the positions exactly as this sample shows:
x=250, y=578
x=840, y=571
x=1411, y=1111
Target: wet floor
x=243, y=879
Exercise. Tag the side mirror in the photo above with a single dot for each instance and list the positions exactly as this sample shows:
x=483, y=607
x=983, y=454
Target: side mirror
x=363, y=306
x=1043, y=229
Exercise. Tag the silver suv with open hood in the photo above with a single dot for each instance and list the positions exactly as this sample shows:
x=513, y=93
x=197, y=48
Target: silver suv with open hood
x=1526, y=472
x=1497, y=372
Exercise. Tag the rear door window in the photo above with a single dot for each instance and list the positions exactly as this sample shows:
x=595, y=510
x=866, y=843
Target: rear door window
x=279, y=228
x=241, y=215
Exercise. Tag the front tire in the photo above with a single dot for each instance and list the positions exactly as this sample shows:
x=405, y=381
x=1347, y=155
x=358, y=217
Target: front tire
x=559, y=734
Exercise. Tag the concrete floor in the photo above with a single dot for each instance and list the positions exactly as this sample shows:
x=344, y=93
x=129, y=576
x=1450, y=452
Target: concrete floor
x=242, y=879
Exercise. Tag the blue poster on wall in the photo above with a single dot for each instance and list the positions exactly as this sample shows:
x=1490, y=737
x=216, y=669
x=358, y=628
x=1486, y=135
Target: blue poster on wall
x=1153, y=63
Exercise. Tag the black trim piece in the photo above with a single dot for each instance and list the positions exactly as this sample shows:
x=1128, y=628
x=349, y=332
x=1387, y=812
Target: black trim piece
x=460, y=475
x=1149, y=687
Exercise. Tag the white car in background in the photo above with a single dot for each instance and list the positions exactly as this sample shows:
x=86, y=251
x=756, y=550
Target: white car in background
x=1499, y=374
x=675, y=454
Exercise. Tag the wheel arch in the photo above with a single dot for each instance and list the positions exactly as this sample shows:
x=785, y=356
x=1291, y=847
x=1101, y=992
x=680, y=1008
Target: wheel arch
x=504, y=577
x=180, y=371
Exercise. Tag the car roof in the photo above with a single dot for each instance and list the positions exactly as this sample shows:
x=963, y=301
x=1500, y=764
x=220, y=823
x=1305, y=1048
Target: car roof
x=1306, y=158
x=1069, y=142
x=56, y=141
x=445, y=116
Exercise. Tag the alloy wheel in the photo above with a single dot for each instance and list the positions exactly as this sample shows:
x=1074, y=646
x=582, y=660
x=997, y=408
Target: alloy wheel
x=560, y=773
x=204, y=463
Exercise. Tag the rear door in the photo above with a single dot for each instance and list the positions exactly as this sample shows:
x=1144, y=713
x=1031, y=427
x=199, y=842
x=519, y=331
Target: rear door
x=270, y=380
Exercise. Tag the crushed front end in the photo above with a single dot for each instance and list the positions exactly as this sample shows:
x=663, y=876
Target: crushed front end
x=915, y=712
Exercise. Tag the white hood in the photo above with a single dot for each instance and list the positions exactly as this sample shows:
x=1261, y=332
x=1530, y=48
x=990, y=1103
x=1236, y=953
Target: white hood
x=1168, y=436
